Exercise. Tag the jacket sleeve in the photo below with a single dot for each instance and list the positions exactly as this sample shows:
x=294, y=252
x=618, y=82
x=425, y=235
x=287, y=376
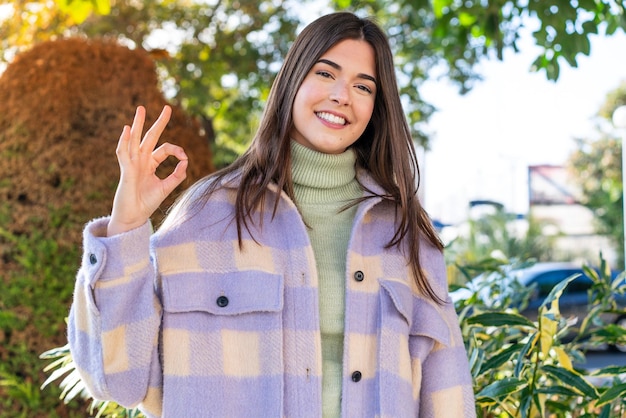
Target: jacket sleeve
x=447, y=388
x=115, y=316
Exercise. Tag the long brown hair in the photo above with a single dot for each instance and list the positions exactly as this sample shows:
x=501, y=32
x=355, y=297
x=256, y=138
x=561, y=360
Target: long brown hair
x=385, y=149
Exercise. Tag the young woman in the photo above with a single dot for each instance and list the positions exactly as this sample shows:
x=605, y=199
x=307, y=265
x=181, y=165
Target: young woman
x=304, y=280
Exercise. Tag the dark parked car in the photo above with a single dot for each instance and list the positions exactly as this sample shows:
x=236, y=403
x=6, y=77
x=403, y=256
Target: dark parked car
x=496, y=290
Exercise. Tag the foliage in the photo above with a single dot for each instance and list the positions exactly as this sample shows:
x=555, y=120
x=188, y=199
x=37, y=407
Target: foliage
x=498, y=233
x=73, y=386
x=34, y=301
x=464, y=32
x=80, y=10
x=596, y=166
x=524, y=368
x=60, y=104
x=218, y=58
x=448, y=38
x=614, y=99
x=215, y=58
x=22, y=23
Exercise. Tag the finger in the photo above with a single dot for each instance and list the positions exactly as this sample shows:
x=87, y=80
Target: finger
x=122, y=145
x=136, y=130
x=154, y=133
x=177, y=177
x=165, y=150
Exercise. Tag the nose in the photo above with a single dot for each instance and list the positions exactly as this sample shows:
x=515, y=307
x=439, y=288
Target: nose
x=340, y=93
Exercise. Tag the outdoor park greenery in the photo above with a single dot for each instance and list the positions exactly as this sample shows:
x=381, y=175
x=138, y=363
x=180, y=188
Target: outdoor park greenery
x=524, y=368
x=597, y=168
x=217, y=59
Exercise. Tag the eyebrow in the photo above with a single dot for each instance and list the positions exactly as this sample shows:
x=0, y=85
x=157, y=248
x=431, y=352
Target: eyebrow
x=338, y=67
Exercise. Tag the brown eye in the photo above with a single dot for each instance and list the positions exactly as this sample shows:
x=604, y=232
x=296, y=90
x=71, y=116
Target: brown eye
x=324, y=74
x=364, y=88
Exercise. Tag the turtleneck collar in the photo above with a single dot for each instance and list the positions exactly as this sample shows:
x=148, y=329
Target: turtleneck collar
x=317, y=170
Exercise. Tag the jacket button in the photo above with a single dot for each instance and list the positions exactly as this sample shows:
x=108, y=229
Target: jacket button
x=222, y=301
x=93, y=259
x=356, y=376
x=359, y=276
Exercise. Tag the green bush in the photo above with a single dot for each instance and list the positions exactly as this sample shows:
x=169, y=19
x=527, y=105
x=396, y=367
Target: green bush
x=524, y=368
x=37, y=281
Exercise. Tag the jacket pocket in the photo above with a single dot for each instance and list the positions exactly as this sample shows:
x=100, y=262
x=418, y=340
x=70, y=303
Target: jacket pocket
x=223, y=293
x=222, y=337
x=409, y=328
x=423, y=318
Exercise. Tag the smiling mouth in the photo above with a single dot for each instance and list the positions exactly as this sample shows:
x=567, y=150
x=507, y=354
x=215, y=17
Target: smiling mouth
x=328, y=117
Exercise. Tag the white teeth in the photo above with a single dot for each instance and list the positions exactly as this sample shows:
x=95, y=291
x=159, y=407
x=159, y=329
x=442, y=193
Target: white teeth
x=331, y=118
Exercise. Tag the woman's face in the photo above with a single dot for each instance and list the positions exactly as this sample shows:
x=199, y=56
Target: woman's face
x=335, y=101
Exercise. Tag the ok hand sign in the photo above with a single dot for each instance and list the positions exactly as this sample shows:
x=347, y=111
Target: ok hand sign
x=140, y=191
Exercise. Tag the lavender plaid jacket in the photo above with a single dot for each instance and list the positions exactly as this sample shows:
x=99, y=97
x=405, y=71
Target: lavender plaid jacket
x=185, y=324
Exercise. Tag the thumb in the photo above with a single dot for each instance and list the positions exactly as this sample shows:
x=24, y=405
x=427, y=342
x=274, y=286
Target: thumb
x=176, y=177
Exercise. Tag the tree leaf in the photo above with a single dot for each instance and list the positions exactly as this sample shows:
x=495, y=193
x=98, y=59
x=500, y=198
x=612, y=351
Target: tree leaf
x=606, y=412
x=78, y=10
x=499, y=319
x=610, y=371
x=438, y=7
x=558, y=390
x=611, y=394
x=102, y=7
x=563, y=358
x=502, y=388
x=572, y=379
x=557, y=290
x=466, y=19
x=548, y=328
x=522, y=354
x=500, y=358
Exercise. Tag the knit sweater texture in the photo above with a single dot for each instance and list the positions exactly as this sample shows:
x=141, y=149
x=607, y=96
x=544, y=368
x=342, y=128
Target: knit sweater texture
x=323, y=185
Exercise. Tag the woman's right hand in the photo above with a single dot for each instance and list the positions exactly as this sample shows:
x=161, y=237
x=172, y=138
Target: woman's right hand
x=140, y=191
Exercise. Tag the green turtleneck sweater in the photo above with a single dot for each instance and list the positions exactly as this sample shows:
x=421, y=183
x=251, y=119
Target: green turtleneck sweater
x=323, y=184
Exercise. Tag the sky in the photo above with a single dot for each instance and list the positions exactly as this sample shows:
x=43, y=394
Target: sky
x=483, y=142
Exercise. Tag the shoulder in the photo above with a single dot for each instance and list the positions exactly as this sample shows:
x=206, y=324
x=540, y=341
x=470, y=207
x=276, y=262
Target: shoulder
x=214, y=195
x=210, y=204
